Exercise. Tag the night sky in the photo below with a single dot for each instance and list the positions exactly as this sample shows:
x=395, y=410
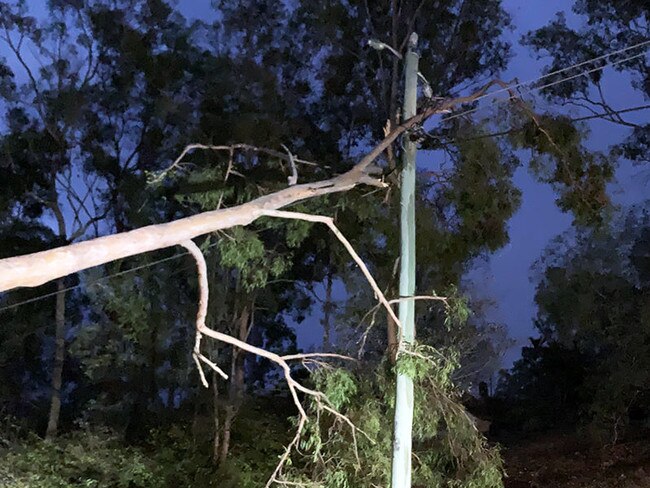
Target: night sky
x=505, y=276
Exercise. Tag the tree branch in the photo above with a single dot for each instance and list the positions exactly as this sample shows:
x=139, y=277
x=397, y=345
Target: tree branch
x=38, y=268
x=321, y=399
x=328, y=221
x=202, y=312
x=245, y=147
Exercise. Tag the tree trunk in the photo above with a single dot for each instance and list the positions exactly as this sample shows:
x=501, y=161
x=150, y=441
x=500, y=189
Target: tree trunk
x=393, y=110
x=59, y=356
x=35, y=269
x=215, y=405
x=38, y=268
x=327, y=313
x=225, y=434
x=237, y=384
x=393, y=343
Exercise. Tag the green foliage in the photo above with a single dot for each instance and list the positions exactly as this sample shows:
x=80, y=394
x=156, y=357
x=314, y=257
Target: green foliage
x=183, y=457
x=457, y=309
x=89, y=460
x=425, y=363
x=174, y=456
x=337, y=384
x=133, y=345
x=608, y=26
x=296, y=74
x=448, y=451
x=482, y=194
x=579, y=176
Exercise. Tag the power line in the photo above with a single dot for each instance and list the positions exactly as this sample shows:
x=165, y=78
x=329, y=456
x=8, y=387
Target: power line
x=547, y=85
x=94, y=282
x=568, y=68
x=603, y=115
x=615, y=112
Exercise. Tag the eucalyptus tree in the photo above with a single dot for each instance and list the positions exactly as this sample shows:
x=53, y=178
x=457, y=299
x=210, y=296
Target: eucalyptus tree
x=300, y=76
x=45, y=125
x=619, y=27
x=592, y=296
x=88, y=113
x=349, y=96
x=588, y=361
x=345, y=95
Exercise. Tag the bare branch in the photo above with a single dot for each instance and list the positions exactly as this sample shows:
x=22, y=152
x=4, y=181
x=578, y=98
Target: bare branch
x=231, y=148
x=294, y=387
x=373, y=314
x=286, y=454
x=357, y=259
x=292, y=357
x=38, y=268
x=231, y=159
x=293, y=179
x=204, y=291
x=445, y=300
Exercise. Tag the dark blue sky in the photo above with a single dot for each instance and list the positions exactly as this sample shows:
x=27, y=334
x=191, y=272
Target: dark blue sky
x=505, y=276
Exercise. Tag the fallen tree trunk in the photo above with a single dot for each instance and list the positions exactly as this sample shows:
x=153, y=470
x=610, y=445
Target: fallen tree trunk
x=36, y=269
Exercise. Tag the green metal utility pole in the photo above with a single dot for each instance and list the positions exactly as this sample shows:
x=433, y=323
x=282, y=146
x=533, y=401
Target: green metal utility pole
x=401, y=472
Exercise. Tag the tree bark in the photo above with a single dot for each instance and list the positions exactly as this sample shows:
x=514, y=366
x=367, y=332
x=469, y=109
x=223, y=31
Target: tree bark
x=59, y=357
x=392, y=101
x=215, y=416
x=224, y=446
x=38, y=268
x=393, y=341
x=59, y=335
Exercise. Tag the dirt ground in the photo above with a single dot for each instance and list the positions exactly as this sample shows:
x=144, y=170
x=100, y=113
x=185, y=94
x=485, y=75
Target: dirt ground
x=564, y=461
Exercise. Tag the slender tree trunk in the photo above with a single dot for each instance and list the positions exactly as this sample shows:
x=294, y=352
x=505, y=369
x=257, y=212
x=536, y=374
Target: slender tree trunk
x=217, y=430
x=327, y=314
x=195, y=420
x=392, y=339
x=236, y=390
x=59, y=356
x=394, y=81
x=224, y=447
x=392, y=331
x=59, y=334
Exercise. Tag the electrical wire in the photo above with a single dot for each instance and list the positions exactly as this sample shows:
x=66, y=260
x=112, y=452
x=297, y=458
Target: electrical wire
x=603, y=115
x=94, y=282
x=535, y=89
x=614, y=112
x=564, y=70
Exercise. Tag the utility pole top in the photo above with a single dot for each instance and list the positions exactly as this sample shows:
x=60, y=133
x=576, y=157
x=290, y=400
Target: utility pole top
x=413, y=40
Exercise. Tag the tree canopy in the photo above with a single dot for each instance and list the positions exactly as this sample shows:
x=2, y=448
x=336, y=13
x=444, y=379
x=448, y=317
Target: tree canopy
x=128, y=129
